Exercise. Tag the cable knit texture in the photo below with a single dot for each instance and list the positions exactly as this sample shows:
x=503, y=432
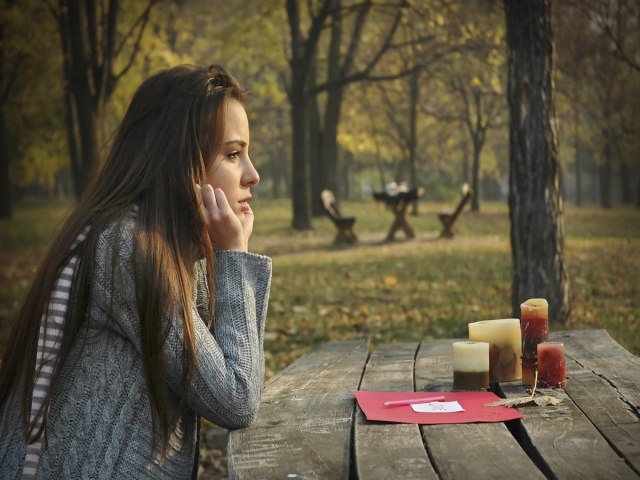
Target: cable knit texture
x=99, y=421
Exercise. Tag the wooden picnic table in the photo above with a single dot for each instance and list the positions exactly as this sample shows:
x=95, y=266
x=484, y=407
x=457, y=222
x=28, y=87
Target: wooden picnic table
x=310, y=426
x=398, y=202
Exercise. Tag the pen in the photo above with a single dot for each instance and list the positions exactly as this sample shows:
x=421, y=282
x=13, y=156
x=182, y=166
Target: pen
x=409, y=401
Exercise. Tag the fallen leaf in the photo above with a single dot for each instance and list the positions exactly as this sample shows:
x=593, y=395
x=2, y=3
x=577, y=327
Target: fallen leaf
x=541, y=401
x=390, y=281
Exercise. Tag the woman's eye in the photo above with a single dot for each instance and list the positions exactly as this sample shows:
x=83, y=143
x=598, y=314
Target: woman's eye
x=232, y=155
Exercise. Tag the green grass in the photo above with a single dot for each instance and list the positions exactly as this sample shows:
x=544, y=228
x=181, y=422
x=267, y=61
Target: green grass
x=401, y=291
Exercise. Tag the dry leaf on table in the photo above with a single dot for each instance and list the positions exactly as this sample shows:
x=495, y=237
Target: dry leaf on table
x=541, y=401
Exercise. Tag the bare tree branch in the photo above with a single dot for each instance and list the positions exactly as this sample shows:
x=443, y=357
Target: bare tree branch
x=142, y=22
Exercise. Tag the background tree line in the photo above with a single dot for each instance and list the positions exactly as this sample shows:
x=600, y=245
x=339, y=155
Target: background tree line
x=347, y=95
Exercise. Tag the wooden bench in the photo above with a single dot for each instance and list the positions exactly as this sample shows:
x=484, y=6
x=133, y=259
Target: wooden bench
x=448, y=219
x=310, y=426
x=343, y=224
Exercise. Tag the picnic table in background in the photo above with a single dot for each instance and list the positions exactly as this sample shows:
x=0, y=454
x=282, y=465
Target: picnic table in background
x=310, y=426
x=398, y=202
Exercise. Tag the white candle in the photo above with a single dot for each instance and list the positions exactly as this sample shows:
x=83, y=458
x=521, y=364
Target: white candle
x=505, y=348
x=470, y=365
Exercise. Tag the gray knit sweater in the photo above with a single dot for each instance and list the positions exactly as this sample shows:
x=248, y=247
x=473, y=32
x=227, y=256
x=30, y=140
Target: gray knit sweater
x=99, y=420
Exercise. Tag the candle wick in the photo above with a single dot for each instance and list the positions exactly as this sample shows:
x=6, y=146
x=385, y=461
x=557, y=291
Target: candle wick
x=535, y=384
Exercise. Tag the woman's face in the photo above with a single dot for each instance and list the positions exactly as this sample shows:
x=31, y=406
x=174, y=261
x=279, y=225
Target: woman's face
x=232, y=170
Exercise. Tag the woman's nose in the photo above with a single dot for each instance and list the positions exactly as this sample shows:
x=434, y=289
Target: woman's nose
x=251, y=177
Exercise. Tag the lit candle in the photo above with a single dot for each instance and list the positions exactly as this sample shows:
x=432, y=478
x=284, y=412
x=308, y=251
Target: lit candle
x=505, y=349
x=551, y=366
x=470, y=365
x=535, y=329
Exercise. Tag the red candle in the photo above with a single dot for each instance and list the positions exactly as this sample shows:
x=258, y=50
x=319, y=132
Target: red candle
x=551, y=366
x=534, y=325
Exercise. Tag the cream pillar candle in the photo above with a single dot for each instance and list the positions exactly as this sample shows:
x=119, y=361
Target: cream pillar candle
x=470, y=365
x=505, y=348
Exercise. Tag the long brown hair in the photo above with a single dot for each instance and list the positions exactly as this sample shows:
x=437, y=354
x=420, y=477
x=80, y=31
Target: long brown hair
x=166, y=142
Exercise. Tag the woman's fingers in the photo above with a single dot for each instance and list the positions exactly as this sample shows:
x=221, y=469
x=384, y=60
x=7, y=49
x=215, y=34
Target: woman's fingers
x=224, y=227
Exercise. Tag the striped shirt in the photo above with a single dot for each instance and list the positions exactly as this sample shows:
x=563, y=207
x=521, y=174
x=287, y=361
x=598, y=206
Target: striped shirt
x=49, y=344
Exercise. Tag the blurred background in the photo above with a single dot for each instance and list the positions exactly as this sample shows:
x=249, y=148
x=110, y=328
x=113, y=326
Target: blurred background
x=393, y=91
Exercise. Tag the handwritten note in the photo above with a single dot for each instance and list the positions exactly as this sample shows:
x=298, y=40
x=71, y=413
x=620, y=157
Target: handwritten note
x=437, y=407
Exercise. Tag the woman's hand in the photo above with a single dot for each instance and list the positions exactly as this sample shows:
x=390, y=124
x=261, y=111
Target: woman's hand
x=227, y=229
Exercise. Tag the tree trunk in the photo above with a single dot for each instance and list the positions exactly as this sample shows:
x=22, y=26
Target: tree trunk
x=302, y=53
x=604, y=176
x=88, y=37
x=475, y=175
x=466, y=167
x=625, y=181
x=315, y=136
x=299, y=172
x=535, y=201
x=5, y=182
x=80, y=103
x=414, y=92
x=577, y=157
x=329, y=148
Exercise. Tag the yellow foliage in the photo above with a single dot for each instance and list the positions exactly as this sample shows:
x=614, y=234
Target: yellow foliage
x=390, y=280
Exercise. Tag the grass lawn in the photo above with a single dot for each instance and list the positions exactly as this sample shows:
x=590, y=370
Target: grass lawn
x=401, y=291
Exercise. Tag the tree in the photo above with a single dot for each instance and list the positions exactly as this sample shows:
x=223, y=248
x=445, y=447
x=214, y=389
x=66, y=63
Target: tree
x=303, y=50
x=5, y=88
x=535, y=200
x=90, y=45
x=619, y=22
x=7, y=77
x=344, y=68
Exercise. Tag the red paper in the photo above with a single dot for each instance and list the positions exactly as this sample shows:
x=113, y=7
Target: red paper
x=473, y=403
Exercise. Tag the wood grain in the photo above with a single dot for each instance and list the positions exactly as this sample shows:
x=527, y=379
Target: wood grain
x=563, y=438
x=303, y=428
x=472, y=450
x=390, y=450
x=596, y=391
x=595, y=350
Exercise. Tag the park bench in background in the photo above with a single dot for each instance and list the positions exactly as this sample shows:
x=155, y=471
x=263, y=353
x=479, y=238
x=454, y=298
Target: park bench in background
x=343, y=224
x=448, y=219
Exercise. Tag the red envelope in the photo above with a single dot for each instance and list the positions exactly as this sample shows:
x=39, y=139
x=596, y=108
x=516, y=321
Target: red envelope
x=473, y=403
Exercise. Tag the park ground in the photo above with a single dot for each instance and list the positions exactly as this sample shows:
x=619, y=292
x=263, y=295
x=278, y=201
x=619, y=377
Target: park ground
x=390, y=291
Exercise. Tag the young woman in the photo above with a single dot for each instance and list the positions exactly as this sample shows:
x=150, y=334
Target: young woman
x=148, y=311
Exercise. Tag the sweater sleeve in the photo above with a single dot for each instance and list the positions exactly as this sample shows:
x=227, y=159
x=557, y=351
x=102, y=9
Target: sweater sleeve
x=226, y=384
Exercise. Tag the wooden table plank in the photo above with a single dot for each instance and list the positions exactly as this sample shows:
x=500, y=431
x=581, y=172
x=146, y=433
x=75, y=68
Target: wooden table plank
x=390, y=450
x=472, y=450
x=602, y=405
x=597, y=395
x=564, y=439
x=303, y=428
x=597, y=351
x=592, y=415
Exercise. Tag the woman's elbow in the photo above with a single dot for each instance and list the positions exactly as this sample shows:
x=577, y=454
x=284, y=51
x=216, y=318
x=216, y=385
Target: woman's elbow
x=241, y=419
x=243, y=412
